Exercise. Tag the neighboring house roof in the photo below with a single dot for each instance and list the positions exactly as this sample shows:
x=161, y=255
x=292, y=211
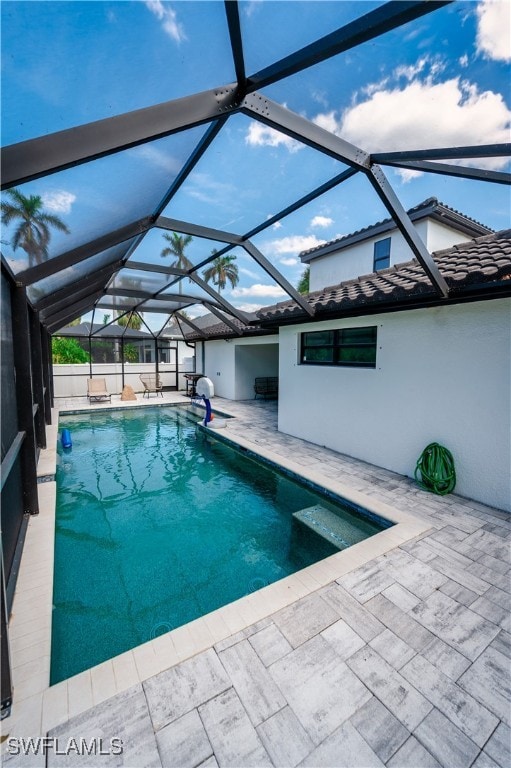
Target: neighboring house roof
x=221, y=331
x=477, y=269
x=430, y=208
x=98, y=329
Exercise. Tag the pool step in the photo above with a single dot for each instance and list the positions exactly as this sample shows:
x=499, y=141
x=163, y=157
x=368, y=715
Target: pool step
x=325, y=523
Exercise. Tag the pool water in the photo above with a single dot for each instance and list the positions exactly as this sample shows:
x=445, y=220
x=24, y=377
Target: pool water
x=158, y=524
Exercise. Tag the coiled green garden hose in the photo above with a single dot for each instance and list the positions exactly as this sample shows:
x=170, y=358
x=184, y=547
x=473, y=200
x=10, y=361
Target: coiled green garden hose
x=436, y=468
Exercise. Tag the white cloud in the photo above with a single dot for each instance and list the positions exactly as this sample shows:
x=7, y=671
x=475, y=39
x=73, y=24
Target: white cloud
x=293, y=244
x=58, y=201
x=463, y=60
x=249, y=307
x=277, y=225
x=168, y=18
x=260, y=135
x=158, y=158
x=289, y=262
x=272, y=291
x=248, y=273
x=321, y=221
x=493, y=31
x=204, y=187
x=424, y=115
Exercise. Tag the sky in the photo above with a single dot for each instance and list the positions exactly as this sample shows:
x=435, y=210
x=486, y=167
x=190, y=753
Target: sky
x=442, y=80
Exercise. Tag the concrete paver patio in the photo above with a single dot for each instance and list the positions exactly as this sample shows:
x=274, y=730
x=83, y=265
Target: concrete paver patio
x=403, y=661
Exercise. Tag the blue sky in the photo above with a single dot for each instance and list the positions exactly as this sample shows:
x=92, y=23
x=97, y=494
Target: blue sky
x=442, y=80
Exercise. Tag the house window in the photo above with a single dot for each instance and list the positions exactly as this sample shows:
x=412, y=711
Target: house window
x=354, y=347
x=381, y=254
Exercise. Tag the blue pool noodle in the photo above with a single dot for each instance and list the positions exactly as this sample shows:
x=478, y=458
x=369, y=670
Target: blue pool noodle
x=66, y=439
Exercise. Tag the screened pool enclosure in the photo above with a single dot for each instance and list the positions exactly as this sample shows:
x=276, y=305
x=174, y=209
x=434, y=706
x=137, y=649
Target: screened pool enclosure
x=135, y=194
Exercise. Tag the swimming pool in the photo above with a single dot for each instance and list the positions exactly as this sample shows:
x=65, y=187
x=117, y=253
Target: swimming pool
x=158, y=524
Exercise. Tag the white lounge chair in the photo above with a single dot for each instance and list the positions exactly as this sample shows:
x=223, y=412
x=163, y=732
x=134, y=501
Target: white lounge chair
x=96, y=390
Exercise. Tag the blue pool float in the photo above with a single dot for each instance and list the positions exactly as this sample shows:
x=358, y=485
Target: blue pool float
x=66, y=439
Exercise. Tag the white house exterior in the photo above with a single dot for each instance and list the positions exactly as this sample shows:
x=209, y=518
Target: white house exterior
x=442, y=375
x=353, y=255
x=438, y=369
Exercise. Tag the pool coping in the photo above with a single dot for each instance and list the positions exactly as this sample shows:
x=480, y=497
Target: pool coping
x=38, y=707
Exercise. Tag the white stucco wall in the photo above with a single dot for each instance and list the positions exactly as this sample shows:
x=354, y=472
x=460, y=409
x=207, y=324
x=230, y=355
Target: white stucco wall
x=233, y=365
x=219, y=367
x=442, y=375
x=357, y=259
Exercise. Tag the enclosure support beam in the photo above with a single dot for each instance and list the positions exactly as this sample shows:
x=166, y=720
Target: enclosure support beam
x=6, y=676
x=279, y=279
x=299, y=128
x=367, y=27
x=224, y=319
x=407, y=229
x=24, y=398
x=37, y=378
x=82, y=252
x=45, y=347
x=32, y=159
x=233, y=23
x=448, y=169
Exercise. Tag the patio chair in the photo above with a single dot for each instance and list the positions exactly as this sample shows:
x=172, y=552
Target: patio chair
x=96, y=390
x=152, y=383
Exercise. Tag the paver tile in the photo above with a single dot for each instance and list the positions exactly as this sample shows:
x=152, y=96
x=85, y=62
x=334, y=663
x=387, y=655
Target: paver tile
x=343, y=639
x=495, y=578
x=382, y=731
x=392, y=648
x=450, y=662
x=285, y=739
x=502, y=643
x=458, y=592
x=124, y=717
x=345, y=747
x=356, y=615
x=494, y=563
x=178, y=690
x=233, y=737
x=396, y=693
x=463, y=710
x=413, y=755
x=184, y=742
x=270, y=644
x=253, y=683
x=402, y=624
x=499, y=745
x=488, y=681
x=446, y=743
x=491, y=611
x=490, y=544
x=417, y=577
x=320, y=688
x=401, y=597
x=304, y=619
x=367, y=581
x=458, y=626
x=463, y=576
x=500, y=597
x=484, y=761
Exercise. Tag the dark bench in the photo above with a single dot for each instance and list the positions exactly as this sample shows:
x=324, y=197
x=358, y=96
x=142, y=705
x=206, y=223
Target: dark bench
x=266, y=386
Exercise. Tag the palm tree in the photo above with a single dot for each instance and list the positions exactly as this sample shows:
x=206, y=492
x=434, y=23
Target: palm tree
x=221, y=270
x=133, y=320
x=32, y=233
x=176, y=247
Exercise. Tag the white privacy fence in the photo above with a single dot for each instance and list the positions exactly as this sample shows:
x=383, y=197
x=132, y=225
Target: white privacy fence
x=70, y=380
